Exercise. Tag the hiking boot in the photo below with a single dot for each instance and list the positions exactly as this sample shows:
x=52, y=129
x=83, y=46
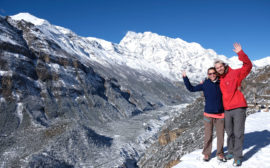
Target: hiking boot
x=228, y=156
x=221, y=158
x=206, y=158
x=237, y=163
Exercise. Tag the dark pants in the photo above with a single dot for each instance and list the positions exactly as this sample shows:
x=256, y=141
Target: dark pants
x=209, y=123
x=235, y=129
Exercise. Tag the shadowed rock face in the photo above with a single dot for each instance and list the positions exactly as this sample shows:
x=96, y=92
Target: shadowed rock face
x=256, y=86
x=47, y=161
x=181, y=135
x=57, y=108
x=61, y=109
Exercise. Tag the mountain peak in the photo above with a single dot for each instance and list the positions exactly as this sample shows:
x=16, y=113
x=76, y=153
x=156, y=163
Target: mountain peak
x=145, y=36
x=262, y=62
x=147, y=33
x=133, y=41
x=29, y=18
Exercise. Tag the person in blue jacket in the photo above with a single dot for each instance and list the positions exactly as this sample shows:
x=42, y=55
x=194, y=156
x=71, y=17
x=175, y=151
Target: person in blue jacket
x=213, y=112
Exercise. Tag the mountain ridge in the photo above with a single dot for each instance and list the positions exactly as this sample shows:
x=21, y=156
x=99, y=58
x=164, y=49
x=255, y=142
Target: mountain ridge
x=148, y=51
x=78, y=101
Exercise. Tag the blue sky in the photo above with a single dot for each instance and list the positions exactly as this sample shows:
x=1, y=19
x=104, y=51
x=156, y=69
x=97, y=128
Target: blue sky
x=215, y=24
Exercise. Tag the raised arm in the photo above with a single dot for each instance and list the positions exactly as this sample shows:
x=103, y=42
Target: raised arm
x=189, y=86
x=237, y=47
x=247, y=65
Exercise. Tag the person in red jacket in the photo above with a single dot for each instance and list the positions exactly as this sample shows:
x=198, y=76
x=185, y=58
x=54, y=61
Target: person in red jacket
x=234, y=103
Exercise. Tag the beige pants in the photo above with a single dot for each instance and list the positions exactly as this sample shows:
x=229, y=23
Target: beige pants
x=209, y=124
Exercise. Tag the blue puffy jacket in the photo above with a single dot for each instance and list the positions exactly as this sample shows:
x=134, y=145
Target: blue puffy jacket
x=212, y=94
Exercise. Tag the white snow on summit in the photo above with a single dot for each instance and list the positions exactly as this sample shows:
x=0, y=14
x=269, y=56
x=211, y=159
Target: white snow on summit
x=262, y=62
x=105, y=44
x=146, y=52
x=236, y=62
x=29, y=18
x=256, y=64
x=171, y=56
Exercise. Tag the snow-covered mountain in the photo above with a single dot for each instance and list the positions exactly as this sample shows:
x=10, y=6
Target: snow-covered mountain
x=30, y=18
x=67, y=100
x=257, y=64
x=64, y=99
x=262, y=62
x=142, y=51
x=170, y=56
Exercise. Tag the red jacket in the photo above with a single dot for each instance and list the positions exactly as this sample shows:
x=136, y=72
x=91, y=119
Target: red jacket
x=230, y=84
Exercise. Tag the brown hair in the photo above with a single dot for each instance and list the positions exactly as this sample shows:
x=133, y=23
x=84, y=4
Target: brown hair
x=212, y=68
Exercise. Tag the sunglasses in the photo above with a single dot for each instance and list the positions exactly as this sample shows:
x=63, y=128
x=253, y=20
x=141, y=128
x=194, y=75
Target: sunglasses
x=212, y=73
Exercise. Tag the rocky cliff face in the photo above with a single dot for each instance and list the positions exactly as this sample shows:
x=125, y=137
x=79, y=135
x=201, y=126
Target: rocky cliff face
x=179, y=136
x=70, y=101
x=61, y=109
x=256, y=87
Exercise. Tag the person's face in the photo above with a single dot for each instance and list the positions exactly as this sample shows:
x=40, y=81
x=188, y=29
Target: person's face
x=220, y=68
x=212, y=75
